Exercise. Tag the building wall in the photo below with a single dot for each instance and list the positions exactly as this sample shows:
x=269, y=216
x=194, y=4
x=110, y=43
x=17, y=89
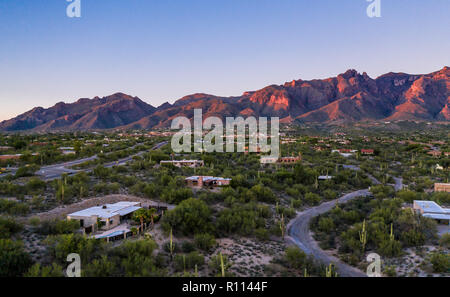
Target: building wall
x=112, y=222
x=442, y=188
x=87, y=221
x=417, y=208
x=10, y=157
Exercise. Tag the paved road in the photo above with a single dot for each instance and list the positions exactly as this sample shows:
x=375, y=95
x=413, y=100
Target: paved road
x=11, y=171
x=398, y=183
x=56, y=171
x=299, y=233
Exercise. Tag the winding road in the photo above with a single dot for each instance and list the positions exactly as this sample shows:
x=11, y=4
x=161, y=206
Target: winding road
x=300, y=235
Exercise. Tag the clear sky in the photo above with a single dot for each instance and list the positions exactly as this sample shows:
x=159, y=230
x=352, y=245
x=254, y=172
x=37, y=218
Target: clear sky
x=161, y=50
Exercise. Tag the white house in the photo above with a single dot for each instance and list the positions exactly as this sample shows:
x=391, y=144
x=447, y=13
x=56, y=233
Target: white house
x=110, y=214
x=432, y=210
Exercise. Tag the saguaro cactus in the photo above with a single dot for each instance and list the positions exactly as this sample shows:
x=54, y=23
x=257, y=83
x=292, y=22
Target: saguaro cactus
x=222, y=265
x=62, y=191
x=171, y=246
x=329, y=271
x=363, y=236
x=391, y=236
x=282, y=226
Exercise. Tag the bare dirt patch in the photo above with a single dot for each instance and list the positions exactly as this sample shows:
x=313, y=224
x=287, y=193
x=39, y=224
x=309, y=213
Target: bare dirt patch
x=250, y=256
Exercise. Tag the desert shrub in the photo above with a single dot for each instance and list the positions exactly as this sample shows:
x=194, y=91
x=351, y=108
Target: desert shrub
x=205, y=241
x=445, y=240
x=440, y=262
x=37, y=270
x=9, y=227
x=262, y=234
x=55, y=227
x=188, y=261
x=187, y=247
x=14, y=261
x=13, y=208
x=190, y=217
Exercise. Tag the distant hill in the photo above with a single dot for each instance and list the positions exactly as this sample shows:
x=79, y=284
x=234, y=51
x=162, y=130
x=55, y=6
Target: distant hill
x=349, y=97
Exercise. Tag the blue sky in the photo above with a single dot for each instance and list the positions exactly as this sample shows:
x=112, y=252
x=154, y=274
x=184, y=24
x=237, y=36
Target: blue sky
x=161, y=50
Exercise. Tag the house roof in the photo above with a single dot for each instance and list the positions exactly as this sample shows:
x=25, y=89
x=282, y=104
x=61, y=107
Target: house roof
x=437, y=216
x=429, y=206
x=207, y=178
x=111, y=210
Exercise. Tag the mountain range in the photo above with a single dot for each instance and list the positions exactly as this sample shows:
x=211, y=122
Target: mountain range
x=349, y=97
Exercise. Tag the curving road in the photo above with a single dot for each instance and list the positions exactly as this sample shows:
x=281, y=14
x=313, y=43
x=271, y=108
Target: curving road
x=300, y=235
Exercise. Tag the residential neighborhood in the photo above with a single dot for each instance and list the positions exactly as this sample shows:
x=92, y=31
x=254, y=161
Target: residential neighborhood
x=224, y=148
x=119, y=188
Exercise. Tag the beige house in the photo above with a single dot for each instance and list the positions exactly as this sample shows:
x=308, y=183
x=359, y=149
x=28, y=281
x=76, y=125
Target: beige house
x=432, y=210
x=207, y=181
x=442, y=187
x=110, y=215
x=290, y=160
x=283, y=160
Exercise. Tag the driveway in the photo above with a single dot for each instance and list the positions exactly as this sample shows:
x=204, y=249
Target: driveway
x=299, y=233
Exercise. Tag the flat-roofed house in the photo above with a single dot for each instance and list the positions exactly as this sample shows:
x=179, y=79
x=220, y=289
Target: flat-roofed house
x=432, y=210
x=207, y=181
x=111, y=215
x=435, y=153
x=289, y=160
x=10, y=157
x=268, y=160
x=367, y=151
x=184, y=163
x=282, y=160
x=344, y=152
x=67, y=150
x=325, y=177
x=441, y=187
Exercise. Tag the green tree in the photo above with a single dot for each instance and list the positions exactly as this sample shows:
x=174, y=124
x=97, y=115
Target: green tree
x=190, y=217
x=102, y=267
x=37, y=270
x=440, y=262
x=14, y=261
x=141, y=215
x=204, y=241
